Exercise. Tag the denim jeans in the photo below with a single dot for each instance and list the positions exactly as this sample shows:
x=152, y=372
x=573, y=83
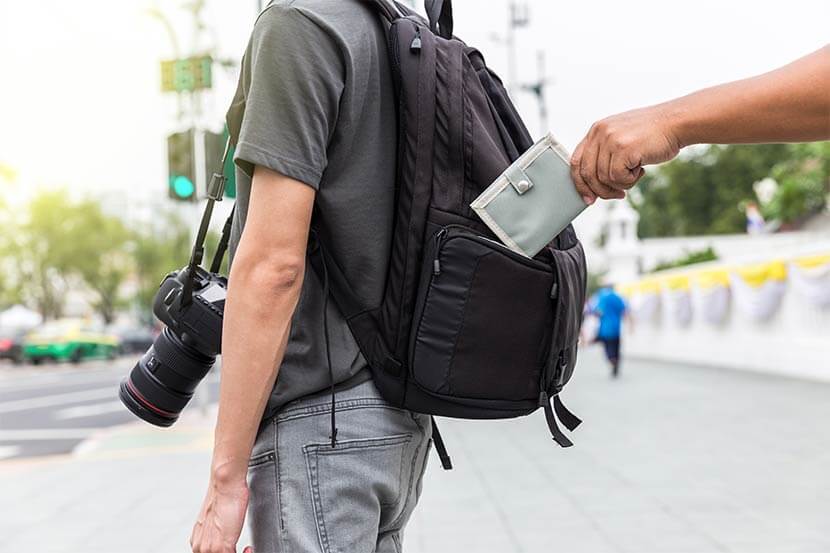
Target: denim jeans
x=306, y=496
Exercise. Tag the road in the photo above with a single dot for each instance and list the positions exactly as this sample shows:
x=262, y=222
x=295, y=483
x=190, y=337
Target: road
x=50, y=409
x=670, y=459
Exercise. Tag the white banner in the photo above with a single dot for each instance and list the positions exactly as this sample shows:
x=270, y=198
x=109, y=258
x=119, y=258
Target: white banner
x=761, y=302
x=680, y=306
x=714, y=304
x=813, y=283
x=645, y=307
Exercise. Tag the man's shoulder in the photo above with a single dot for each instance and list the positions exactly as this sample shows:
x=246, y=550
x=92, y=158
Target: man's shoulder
x=339, y=15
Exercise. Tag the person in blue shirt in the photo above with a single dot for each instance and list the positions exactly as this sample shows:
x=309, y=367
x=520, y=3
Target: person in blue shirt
x=610, y=308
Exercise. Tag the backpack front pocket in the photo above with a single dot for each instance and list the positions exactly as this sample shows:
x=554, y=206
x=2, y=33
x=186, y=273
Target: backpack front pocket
x=569, y=299
x=483, y=319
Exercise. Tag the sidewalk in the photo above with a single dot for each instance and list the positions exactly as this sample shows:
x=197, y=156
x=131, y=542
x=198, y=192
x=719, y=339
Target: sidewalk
x=670, y=459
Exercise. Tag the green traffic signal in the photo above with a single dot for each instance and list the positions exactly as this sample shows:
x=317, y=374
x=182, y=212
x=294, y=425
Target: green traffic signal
x=181, y=167
x=183, y=187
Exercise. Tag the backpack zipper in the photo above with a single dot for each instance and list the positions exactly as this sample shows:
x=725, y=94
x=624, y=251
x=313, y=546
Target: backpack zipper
x=442, y=237
x=439, y=240
x=415, y=46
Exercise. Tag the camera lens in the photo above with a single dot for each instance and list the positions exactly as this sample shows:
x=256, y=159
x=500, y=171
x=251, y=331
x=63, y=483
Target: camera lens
x=163, y=380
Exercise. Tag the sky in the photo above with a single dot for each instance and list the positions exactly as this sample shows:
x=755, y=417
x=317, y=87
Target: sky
x=81, y=107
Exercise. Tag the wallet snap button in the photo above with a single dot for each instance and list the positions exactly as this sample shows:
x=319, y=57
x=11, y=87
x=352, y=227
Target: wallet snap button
x=522, y=186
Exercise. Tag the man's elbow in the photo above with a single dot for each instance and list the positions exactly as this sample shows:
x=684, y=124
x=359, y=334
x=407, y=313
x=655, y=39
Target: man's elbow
x=275, y=276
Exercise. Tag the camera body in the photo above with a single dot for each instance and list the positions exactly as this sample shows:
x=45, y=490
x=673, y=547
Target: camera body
x=199, y=321
x=165, y=378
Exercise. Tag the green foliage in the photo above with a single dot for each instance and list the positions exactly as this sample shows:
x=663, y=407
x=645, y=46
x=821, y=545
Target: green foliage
x=803, y=183
x=40, y=253
x=58, y=244
x=691, y=258
x=158, y=249
x=100, y=257
x=702, y=193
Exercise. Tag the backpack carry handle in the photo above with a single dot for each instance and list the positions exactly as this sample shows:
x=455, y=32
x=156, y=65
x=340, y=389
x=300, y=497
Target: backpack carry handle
x=439, y=13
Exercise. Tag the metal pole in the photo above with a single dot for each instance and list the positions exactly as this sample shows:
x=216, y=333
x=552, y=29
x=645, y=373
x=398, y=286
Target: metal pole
x=518, y=18
x=511, y=51
x=543, y=97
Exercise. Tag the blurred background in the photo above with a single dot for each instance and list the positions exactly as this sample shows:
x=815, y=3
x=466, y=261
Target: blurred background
x=714, y=437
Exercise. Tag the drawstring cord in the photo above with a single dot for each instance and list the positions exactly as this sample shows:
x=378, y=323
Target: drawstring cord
x=328, y=347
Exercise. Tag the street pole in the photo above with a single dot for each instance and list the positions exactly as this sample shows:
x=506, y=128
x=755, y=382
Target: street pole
x=539, y=89
x=519, y=17
x=541, y=96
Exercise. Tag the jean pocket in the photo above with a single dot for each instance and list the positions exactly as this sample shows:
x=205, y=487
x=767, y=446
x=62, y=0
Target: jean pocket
x=357, y=484
x=261, y=459
x=263, y=509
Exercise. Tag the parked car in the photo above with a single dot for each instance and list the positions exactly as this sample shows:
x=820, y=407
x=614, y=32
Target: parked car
x=69, y=340
x=134, y=339
x=11, y=344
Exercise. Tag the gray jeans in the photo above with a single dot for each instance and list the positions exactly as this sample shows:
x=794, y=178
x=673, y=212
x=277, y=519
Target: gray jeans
x=355, y=498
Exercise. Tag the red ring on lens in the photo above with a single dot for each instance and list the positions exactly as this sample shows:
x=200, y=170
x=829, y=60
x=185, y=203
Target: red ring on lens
x=146, y=403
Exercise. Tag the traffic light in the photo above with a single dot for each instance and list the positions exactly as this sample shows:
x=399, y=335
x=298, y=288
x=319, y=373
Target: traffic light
x=181, y=166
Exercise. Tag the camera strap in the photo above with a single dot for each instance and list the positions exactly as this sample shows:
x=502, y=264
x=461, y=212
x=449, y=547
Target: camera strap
x=215, y=191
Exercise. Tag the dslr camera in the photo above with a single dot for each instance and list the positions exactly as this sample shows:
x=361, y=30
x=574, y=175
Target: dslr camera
x=165, y=378
x=190, y=302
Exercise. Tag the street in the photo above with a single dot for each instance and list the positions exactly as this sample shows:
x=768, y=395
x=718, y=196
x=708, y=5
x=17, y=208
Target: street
x=670, y=459
x=49, y=410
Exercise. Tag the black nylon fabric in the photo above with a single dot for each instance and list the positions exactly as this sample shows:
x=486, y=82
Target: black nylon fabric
x=466, y=328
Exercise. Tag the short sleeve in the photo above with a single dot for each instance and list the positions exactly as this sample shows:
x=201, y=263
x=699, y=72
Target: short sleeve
x=291, y=82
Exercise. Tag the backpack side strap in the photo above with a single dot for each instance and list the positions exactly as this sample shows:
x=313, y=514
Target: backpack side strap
x=440, y=448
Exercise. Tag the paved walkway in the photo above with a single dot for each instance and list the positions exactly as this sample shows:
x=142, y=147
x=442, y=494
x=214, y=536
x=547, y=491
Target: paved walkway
x=671, y=459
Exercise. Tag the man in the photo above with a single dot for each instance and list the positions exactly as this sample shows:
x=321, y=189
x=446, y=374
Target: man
x=790, y=104
x=314, y=118
x=610, y=308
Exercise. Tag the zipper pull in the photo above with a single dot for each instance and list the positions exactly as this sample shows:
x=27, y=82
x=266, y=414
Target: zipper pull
x=436, y=263
x=543, y=398
x=415, y=47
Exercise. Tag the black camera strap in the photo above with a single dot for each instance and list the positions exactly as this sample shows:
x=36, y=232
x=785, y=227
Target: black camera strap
x=215, y=191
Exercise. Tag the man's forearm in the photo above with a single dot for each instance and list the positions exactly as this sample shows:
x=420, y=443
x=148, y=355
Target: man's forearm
x=790, y=104
x=260, y=303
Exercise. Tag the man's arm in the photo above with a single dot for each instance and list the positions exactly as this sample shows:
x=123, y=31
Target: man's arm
x=789, y=104
x=263, y=291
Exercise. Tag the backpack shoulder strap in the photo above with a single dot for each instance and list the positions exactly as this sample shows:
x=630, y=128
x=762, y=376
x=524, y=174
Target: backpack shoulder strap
x=439, y=13
x=386, y=9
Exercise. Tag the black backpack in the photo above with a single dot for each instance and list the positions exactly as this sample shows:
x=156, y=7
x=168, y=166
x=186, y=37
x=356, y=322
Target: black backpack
x=467, y=328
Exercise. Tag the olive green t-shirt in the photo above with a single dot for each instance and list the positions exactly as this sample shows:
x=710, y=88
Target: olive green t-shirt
x=315, y=102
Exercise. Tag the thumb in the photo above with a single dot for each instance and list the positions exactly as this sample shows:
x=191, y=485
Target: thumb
x=248, y=549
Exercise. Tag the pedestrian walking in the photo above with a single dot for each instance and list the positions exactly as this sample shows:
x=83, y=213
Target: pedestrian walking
x=610, y=308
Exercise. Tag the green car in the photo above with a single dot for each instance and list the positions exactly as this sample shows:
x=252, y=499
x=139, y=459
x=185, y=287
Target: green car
x=69, y=340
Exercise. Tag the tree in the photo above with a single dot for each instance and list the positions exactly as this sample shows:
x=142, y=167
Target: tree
x=803, y=183
x=157, y=250
x=41, y=254
x=59, y=243
x=702, y=193
x=98, y=244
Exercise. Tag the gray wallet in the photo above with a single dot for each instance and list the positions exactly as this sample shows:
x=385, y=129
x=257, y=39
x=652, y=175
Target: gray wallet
x=533, y=200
